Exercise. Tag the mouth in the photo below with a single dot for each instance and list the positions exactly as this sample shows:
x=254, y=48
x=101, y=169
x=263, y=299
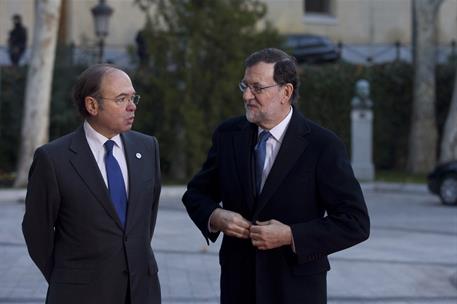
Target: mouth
x=131, y=119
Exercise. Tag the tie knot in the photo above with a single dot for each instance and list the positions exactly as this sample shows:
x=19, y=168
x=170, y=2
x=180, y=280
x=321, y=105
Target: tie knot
x=264, y=135
x=109, y=144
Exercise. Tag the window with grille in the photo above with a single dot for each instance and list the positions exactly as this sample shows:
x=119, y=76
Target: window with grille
x=322, y=7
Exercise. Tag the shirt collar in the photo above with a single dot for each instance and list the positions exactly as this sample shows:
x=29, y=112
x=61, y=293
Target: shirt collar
x=96, y=139
x=278, y=131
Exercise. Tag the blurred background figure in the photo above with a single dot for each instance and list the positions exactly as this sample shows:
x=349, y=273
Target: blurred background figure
x=141, y=48
x=17, y=40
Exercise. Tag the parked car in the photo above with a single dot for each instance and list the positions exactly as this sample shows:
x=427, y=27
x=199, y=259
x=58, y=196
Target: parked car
x=308, y=48
x=443, y=182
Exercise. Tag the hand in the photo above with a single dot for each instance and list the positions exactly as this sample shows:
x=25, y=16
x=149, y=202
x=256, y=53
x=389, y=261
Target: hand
x=230, y=223
x=270, y=234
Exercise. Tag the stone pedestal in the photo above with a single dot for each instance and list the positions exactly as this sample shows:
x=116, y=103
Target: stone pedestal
x=362, y=144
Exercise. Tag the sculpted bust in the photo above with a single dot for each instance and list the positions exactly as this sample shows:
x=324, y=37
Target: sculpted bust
x=361, y=100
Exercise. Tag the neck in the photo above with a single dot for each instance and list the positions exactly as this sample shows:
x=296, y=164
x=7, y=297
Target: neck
x=273, y=123
x=100, y=130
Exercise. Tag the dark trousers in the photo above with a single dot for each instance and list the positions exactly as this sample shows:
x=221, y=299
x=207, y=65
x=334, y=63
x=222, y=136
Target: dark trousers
x=127, y=296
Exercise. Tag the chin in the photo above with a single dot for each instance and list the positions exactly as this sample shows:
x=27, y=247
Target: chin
x=252, y=117
x=127, y=128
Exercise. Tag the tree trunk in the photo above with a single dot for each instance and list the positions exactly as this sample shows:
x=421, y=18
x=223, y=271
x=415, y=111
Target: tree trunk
x=35, y=118
x=423, y=133
x=449, y=140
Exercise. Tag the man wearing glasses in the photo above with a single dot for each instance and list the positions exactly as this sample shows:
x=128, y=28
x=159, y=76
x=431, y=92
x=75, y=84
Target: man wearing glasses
x=281, y=190
x=92, y=200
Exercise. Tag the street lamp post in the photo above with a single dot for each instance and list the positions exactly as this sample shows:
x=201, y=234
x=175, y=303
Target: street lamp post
x=101, y=13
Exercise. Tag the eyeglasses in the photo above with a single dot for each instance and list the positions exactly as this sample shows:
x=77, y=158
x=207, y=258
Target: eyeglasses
x=255, y=89
x=124, y=99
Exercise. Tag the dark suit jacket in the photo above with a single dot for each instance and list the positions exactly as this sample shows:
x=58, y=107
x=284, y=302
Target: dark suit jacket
x=311, y=187
x=72, y=230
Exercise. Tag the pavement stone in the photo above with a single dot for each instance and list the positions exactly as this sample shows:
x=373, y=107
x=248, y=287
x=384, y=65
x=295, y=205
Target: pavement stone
x=411, y=256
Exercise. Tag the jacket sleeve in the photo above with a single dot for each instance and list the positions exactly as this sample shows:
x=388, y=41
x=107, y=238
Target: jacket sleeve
x=347, y=222
x=202, y=196
x=41, y=210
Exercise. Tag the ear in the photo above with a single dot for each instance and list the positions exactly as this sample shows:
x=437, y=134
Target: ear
x=288, y=90
x=92, y=106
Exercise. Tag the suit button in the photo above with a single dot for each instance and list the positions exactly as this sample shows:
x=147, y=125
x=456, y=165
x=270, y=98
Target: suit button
x=126, y=272
x=125, y=239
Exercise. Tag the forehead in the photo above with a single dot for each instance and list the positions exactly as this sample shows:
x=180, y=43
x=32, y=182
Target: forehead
x=116, y=82
x=259, y=72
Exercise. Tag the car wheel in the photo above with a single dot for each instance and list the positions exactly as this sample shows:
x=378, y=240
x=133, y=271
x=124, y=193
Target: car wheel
x=448, y=189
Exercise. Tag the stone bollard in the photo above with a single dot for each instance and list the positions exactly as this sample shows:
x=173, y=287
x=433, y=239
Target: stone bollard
x=362, y=132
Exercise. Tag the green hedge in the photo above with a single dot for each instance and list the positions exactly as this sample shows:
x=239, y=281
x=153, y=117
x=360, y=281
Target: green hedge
x=327, y=90
x=63, y=119
x=325, y=96
x=12, y=88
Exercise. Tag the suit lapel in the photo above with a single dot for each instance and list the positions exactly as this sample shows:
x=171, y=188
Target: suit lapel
x=243, y=145
x=85, y=165
x=134, y=165
x=292, y=147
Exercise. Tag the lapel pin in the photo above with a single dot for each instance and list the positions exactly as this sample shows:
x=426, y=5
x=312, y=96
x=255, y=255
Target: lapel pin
x=138, y=155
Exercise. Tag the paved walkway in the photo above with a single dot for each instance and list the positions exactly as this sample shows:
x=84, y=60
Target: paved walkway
x=411, y=256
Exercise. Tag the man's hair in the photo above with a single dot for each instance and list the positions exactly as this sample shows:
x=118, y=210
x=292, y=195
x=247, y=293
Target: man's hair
x=89, y=84
x=285, y=68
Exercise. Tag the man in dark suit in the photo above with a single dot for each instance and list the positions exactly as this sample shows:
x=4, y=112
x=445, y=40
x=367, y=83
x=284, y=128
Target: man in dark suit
x=17, y=40
x=289, y=197
x=92, y=200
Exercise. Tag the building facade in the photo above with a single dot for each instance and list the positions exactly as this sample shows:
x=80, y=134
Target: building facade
x=365, y=28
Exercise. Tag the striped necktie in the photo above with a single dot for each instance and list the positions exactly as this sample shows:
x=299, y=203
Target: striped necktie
x=260, y=153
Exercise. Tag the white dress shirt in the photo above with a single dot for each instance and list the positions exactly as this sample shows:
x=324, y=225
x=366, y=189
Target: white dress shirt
x=273, y=144
x=96, y=143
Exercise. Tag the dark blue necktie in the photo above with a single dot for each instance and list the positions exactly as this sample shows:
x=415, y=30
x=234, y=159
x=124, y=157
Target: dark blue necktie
x=116, y=184
x=260, y=153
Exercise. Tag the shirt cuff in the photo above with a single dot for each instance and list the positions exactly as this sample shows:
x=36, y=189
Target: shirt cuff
x=293, y=244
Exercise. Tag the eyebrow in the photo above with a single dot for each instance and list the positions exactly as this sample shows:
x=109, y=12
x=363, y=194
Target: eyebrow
x=124, y=94
x=252, y=83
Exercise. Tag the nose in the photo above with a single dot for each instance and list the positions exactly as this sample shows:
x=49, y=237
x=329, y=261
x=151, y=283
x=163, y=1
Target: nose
x=247, y=94
x=131, y=106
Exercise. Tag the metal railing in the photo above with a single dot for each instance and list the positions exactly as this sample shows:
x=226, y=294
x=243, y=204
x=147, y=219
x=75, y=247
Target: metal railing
x=396, y=51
